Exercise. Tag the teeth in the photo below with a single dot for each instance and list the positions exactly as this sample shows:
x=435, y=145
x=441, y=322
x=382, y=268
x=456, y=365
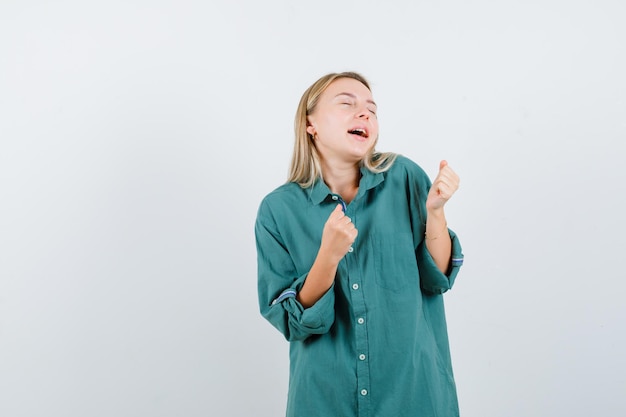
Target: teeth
x=360, y=132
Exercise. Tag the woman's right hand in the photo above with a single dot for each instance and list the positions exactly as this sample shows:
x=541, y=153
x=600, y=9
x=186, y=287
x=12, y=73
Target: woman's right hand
x=337, y=238
x=338, y=235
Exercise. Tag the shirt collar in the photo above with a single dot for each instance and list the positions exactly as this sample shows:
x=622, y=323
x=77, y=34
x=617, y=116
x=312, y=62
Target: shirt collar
x=320, y=191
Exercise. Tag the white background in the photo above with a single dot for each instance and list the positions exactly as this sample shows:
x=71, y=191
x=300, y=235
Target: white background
x=138, y=138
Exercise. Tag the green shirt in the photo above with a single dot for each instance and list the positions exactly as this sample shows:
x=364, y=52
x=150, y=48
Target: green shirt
x=376, y=344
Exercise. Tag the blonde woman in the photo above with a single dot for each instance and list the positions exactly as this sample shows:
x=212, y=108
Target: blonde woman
x=354, y=254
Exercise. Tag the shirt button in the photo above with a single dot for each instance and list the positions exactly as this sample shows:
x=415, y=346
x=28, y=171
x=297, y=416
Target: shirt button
x=355, y=286
x=363, y=392
x=335, y=198
x=361, y=320
x=351, y=249
x=362, y=357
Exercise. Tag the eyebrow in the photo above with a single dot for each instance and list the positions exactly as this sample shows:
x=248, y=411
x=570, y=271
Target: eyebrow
x=353, y=96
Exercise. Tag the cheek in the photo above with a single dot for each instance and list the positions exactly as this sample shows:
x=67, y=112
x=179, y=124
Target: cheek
x=375, y=129
x=332, y=122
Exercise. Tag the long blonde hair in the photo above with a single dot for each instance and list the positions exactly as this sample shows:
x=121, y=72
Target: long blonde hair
x=305, y=166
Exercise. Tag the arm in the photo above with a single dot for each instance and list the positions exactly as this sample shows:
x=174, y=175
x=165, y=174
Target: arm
x=339, y=233
x=438, y=251
x=299, y=304
x=437, y=238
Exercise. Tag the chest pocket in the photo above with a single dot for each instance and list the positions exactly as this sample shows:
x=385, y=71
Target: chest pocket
x=394, y=259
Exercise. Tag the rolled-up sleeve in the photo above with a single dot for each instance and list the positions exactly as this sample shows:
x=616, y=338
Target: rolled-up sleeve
x=279, y=283
x=432, y=280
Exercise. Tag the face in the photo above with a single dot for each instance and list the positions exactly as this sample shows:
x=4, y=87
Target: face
x=344, y=124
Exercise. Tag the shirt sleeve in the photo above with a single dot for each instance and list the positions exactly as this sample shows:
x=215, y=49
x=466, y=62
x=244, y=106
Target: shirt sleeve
x=279, y=283
x=432, y=280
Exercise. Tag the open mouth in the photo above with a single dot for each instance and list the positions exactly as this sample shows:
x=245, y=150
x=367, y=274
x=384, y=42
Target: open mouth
x=360, y=132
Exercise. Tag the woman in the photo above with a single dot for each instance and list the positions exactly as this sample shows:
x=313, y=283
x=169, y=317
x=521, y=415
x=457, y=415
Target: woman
x=353, y=256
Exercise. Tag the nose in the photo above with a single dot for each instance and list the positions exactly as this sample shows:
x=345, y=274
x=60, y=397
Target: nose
x=363, y=113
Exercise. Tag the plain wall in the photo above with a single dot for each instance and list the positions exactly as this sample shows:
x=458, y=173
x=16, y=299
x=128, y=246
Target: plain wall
x=137, y=139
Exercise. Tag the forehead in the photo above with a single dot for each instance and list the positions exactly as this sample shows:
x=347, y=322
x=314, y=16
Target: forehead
x=347, y=86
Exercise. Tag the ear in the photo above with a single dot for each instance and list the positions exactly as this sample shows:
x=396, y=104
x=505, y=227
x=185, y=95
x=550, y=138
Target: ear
x=310, y=130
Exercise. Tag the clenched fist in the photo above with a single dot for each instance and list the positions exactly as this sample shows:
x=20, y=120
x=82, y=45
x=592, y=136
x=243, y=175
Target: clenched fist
x=444, y=186
x=338, y=235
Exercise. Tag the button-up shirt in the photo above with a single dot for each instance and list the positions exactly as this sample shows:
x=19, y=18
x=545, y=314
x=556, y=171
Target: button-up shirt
x=376, y=344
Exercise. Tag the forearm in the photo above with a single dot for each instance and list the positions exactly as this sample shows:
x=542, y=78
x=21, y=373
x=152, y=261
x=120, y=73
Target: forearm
x=437, y=239
x=318, y=281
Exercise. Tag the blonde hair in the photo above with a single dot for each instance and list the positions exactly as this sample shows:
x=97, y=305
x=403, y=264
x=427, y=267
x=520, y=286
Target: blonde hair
x=305, y=166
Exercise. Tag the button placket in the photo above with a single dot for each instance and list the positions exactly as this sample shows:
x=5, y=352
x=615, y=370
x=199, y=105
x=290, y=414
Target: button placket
x=357, y=295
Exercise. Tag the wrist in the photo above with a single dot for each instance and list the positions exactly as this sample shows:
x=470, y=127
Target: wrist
x=436, y=225
x=326, y=259
x=429, y=235
x=435, y=214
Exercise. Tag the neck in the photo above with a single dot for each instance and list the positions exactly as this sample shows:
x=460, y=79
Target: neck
x=342, y=180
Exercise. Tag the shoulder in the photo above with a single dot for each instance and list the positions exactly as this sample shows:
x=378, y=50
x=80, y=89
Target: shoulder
x=283, y=197
x=407, y=174
x=406, y=167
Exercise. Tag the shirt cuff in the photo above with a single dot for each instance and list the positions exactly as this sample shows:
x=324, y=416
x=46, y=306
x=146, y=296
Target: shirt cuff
x=303, y=322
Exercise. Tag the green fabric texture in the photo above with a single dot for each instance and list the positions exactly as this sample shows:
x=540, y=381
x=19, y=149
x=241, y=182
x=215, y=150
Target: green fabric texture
x=376, y=344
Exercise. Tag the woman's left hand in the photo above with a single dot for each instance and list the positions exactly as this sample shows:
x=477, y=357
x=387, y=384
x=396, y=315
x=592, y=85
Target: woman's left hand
x=444, y=186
